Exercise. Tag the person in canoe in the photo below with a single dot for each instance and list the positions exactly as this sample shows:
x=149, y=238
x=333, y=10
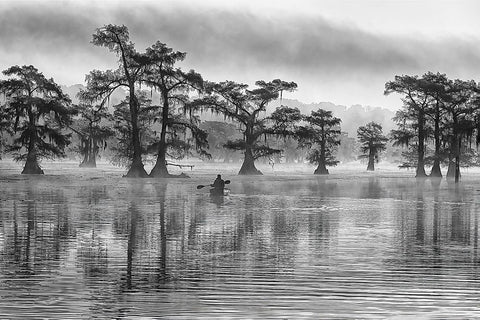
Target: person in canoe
x=218, y=186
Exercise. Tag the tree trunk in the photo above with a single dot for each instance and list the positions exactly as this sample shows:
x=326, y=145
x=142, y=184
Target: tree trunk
x=31, y=165
x=248, y=166
x=92, y=162
x=421, y=147
x=137, y=169
x=457, y=160
x=160, y=169
x=454, y=156
x=371, y=160
x=451, y=167
x=321, y=168
x=84, y=162
x=436, y=171
x=89, y=160
x=88, y=163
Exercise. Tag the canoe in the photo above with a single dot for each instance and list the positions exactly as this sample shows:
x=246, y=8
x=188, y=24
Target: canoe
x=215, y=193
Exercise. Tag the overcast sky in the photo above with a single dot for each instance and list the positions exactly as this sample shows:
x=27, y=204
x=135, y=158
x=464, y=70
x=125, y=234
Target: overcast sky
x=341, y=51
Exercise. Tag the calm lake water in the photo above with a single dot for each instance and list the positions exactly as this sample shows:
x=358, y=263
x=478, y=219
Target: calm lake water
x=88, y=244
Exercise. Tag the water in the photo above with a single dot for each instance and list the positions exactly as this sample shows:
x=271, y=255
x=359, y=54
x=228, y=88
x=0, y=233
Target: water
x=88, y=244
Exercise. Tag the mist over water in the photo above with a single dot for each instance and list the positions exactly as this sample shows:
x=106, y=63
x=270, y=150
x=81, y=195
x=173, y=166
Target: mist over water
x=89, y=244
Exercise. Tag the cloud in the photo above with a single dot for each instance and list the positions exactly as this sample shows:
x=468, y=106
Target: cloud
x=224, y=43
x=303, y=43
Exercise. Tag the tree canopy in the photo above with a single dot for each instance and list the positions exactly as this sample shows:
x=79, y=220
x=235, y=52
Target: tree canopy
x=246, y=107
x=93, y=134
x=321, y=135
x=38, y=110
x=372, y=142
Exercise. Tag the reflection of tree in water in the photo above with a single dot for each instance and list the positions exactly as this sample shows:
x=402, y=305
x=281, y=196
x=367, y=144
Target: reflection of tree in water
x=320, y=226
x=319, y=185
x=132, y=197
x=197, y=218
x=257, y=230
x=93, y=193
x=143, y=230
x=163, y=234
x=283, y=222
x=436, y=221
x=214, y=237
x=108, y=270
x=265, y=233
x=323, y=186
x=92, y=256
x=156, y=234
x=475, y=235
x=180, y=236
x=131, y=242
x=435, y=232
x=93, y=214
x=420, y=217
x=37, y=231
x=247, y=226
x=92, y=248
x=460, y=219
x=373, y=190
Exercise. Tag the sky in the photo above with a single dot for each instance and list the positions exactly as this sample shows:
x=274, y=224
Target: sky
x=339, y=51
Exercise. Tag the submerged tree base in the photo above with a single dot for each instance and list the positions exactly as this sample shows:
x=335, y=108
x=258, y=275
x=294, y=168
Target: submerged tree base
x=420, y=173
x=88, y=165
x=250, y=172
x=371, y=163
x=321, y=171
x=137, y=171
x=32, y=167
x=436, y=171
x=160, y=170
x=451, y=171
x=451, y=176
x=248, y=168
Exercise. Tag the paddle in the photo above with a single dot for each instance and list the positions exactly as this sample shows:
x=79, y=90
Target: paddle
x=200, y=186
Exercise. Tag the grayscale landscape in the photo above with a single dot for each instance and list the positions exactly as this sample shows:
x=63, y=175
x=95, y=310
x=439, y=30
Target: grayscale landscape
x=239, y=160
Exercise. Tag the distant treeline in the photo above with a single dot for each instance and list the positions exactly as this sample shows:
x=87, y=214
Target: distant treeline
x=38, y=120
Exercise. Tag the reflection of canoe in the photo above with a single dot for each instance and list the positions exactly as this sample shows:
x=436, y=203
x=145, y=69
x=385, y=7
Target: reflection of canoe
x=216, y=193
